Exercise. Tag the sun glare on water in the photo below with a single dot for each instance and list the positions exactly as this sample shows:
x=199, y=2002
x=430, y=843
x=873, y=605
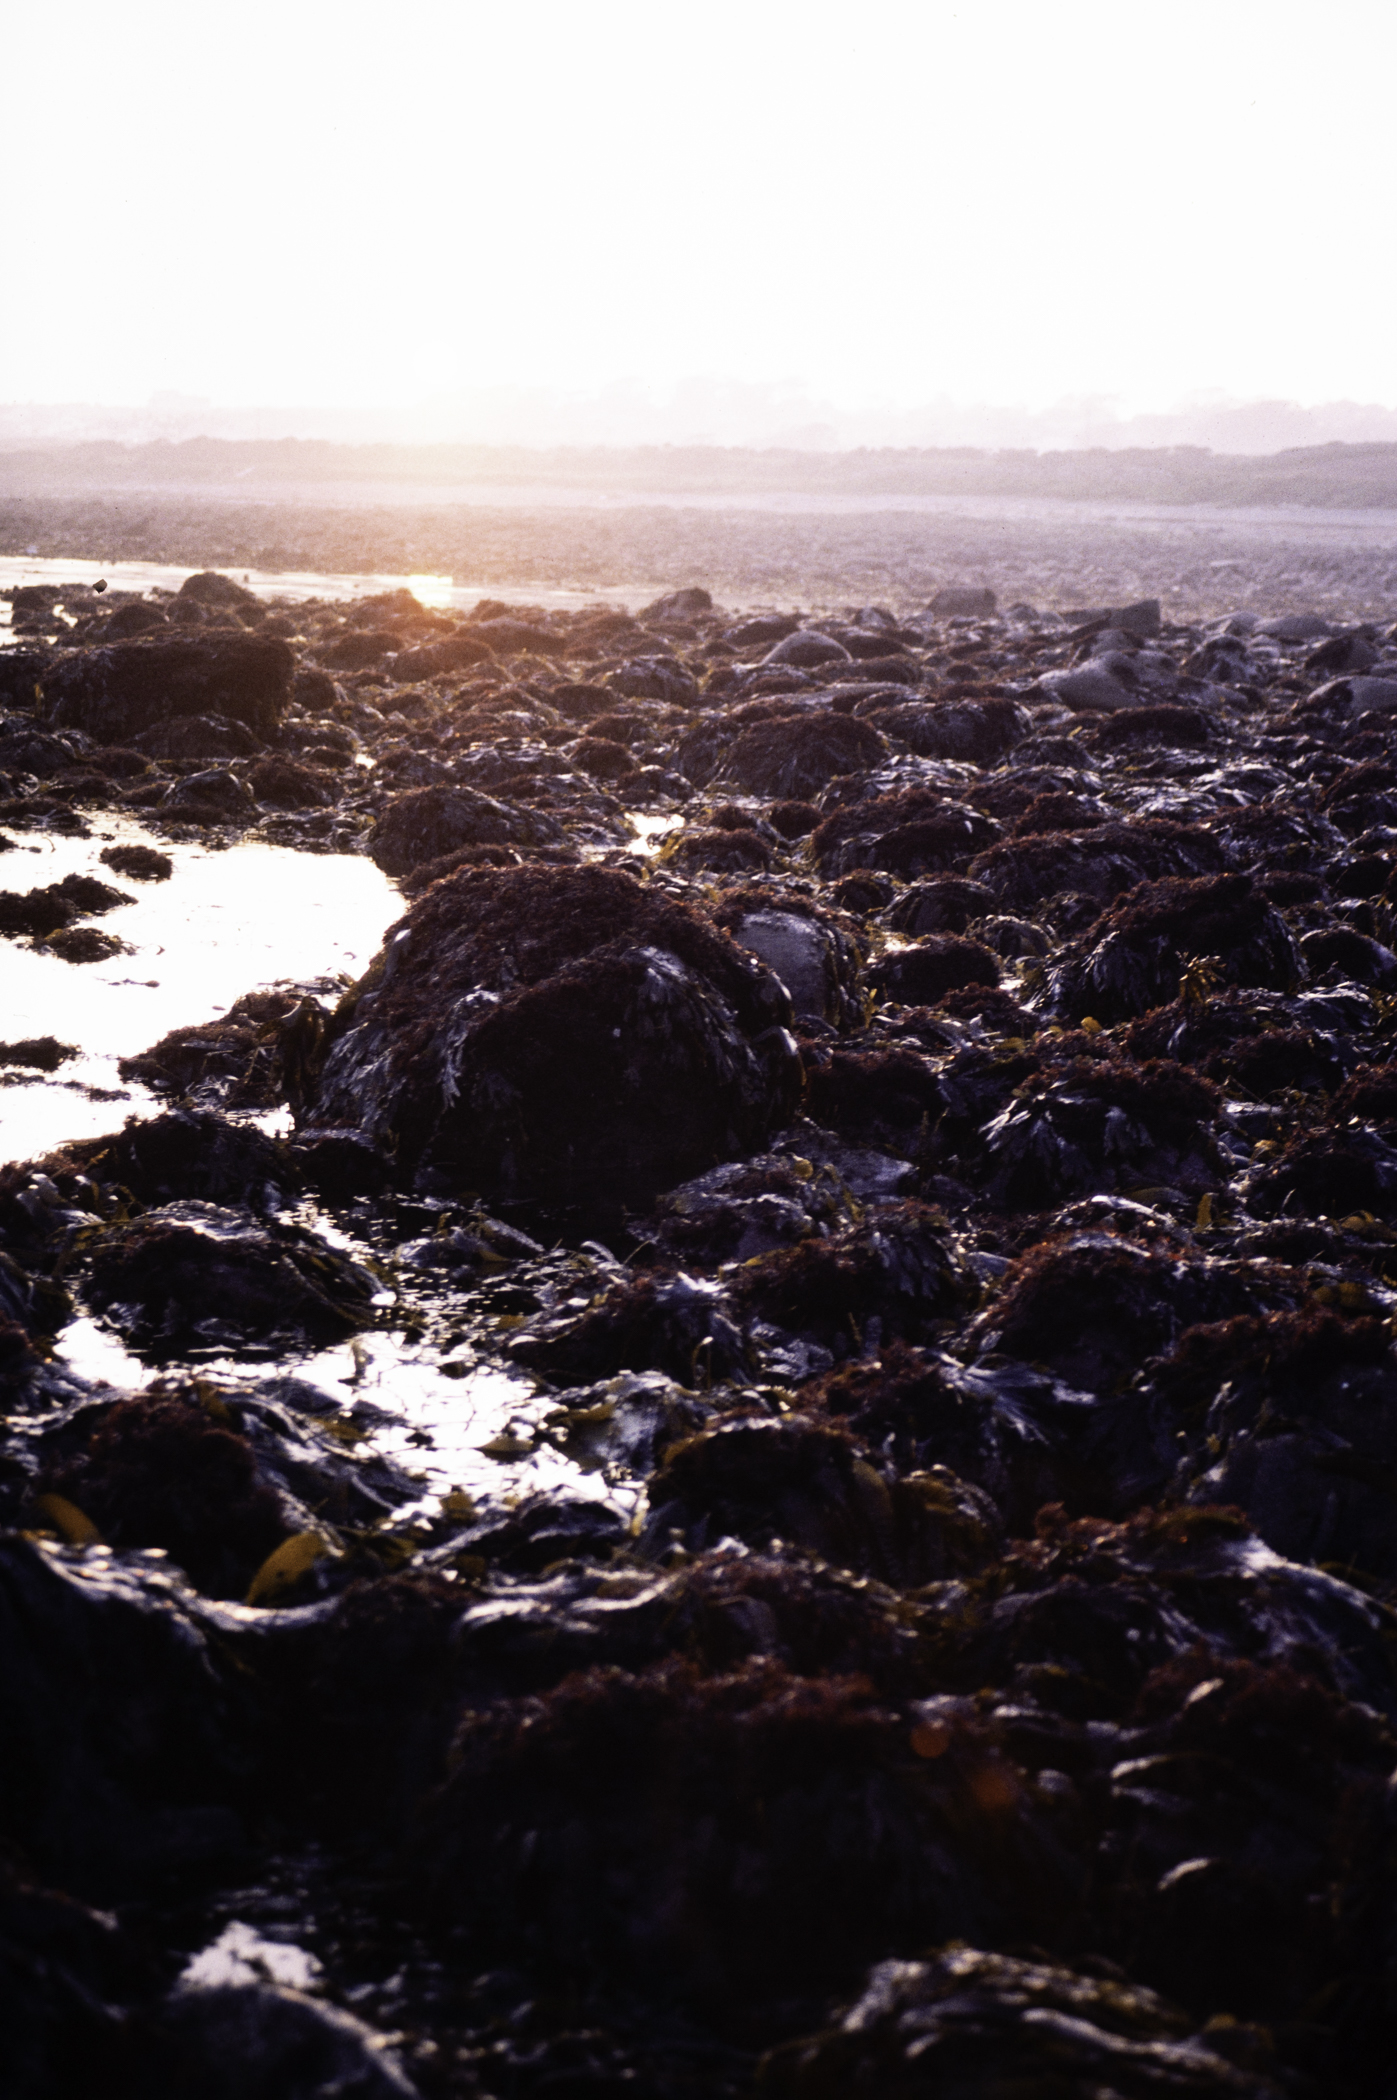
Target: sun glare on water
x=432, y=590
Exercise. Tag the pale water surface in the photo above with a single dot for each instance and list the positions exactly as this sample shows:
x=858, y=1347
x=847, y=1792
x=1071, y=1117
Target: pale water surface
x=225, y=922
x=444, y=592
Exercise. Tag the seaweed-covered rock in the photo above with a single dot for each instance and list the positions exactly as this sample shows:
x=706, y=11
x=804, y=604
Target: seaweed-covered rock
x=1349, y=954
x=242, y=1059
x=1244, y=1038
x=917, y=1409
x=895, y=1273
x=212, y=797
x=979, y=731
x=140, y=863
x=1094, y=1305
x=611, y=1824
x=25, y=748
x=126, y=1749
x=426, y=823
x=1325, y=1173
x=810, y=1483
x=193, y=1276
x=116, y=691
x=1079, y=1617
x=1181, y=727
x=454, y=652
x=724, y=850
x=921, y=974
x=1103, y=1123
x=740, y=1210
x=204, y=736
x=164, y=1471
x=280, y=783
x=1242, y=1838
x=912, y=832
x=887, y=1097
x=1100, y=862
x=944, y=905
x=1135, y=956
x=651, y=1322
x=561, y=1032
x=190, y=1153
x=655, y=678
x=796, y=756
x=41, y=913
x=970, y=2025
x=1300, y=1430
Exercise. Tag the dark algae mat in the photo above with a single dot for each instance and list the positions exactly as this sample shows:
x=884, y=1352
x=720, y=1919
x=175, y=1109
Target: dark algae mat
x=901, y=1102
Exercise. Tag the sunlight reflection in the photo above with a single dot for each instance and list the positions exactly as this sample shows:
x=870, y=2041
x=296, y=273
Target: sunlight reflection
x=433, y=591
x=228, y=920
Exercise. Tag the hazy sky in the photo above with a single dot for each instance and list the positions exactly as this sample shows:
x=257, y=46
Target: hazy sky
x=1005, y=202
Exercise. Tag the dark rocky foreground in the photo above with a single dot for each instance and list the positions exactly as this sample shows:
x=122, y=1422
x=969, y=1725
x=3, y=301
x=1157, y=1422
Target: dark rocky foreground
x=957, y=1175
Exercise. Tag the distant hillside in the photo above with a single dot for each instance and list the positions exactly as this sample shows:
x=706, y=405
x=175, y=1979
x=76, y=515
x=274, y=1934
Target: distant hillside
x=1334, y=476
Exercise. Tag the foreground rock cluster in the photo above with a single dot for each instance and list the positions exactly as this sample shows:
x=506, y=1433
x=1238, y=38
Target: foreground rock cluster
x=910, y=1092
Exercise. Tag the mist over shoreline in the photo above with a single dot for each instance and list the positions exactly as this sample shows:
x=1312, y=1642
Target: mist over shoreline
x=1335, y=477
x=703, y=414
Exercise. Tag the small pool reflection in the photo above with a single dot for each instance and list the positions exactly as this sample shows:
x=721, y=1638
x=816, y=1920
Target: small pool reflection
x=225, y=922
x=453, y=1425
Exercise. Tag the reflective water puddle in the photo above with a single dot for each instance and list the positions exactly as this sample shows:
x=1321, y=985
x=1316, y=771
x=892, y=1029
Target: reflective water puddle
x=226, y=921
x=455, y=1425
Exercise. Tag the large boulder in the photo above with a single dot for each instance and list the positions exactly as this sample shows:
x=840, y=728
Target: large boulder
x=740, y=1838
x=560, y=1032
x=119, y=690
x=426, y=823
x=1300, y=1430
x=124, y=1745
x=799, y=754
x=914, y=831
x=211, y=587
x=978, y=730
x=806, y=648
x=1135, y=956
x=1090, y=687
x=964, y=601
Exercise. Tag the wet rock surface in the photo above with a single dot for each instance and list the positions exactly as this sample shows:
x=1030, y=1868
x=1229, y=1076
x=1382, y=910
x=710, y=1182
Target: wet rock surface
x=763, y=1463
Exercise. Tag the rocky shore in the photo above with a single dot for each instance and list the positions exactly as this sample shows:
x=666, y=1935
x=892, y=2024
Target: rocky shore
x=905, y=1096
x=809, y=551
